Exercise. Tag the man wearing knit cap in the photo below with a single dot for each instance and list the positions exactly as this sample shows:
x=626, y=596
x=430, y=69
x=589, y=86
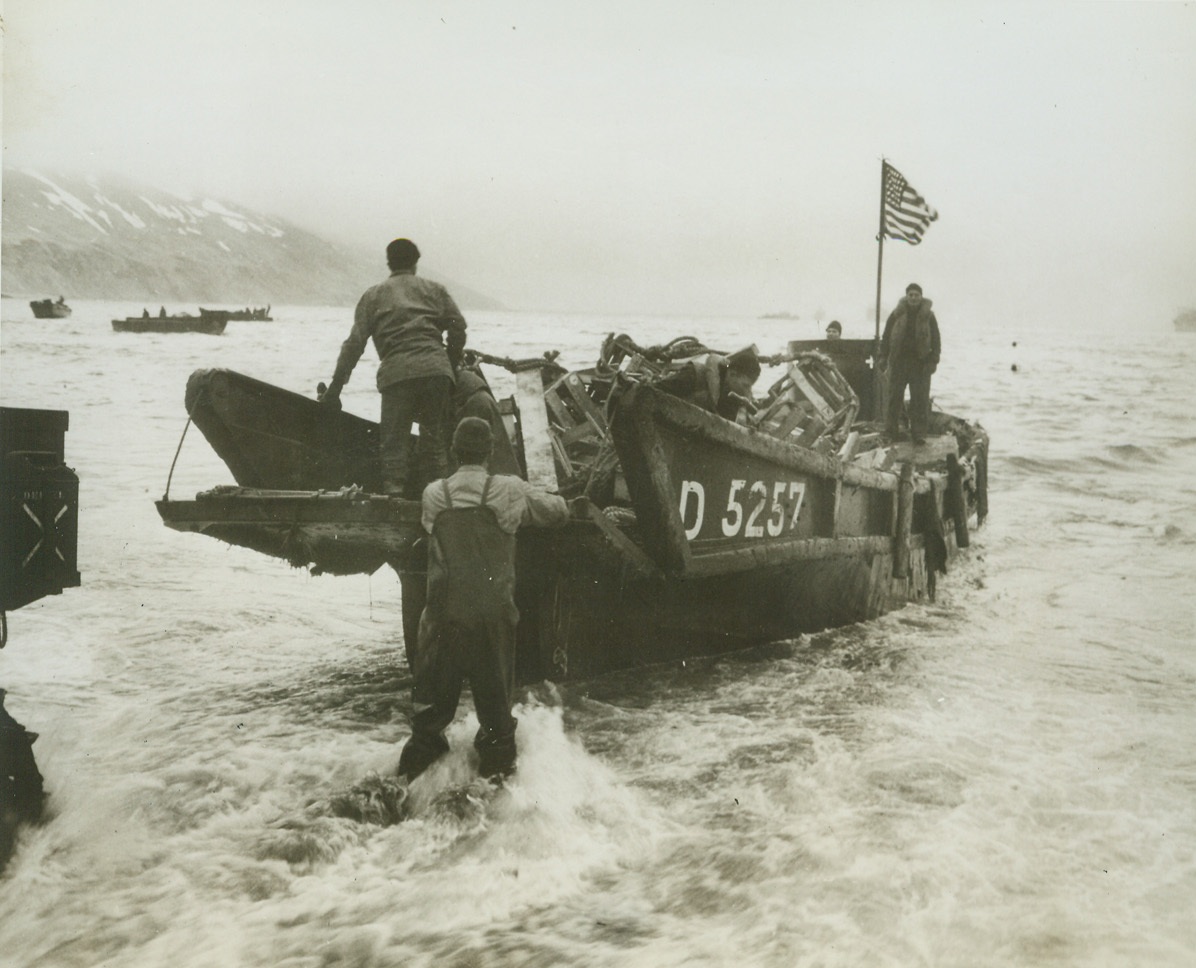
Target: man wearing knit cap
x=910, y=347
x=467, y=629
x=410, y=320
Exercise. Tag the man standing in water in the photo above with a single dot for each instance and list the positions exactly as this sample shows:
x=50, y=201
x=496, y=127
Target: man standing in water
x=467, y=629
x=410, y=320
x=910, y=346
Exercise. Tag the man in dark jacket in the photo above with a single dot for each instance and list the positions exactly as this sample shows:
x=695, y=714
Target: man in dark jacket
x=910, y=347
x=473, y=397
x=410, y=320
x=467, y=630
x=720, y=384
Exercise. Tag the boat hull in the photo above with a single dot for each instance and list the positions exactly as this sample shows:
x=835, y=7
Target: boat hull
x=586, y=607
x=238, y=315
x=277, y=439
x=585, y=613
x=212, y=326
x=48, y=309
x=821, y=544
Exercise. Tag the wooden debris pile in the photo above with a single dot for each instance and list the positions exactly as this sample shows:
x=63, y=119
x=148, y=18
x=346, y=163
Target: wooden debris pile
x=811, y=404
x=577, y=412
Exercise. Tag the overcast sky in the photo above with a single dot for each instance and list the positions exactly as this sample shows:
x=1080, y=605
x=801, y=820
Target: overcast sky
x=718, y=157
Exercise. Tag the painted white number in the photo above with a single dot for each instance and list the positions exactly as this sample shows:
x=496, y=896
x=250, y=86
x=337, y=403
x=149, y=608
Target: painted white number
x=799, y=489
x=696, y=489
x=754, y=530
x=731, y=526
x=745, y=513
x=776, y=520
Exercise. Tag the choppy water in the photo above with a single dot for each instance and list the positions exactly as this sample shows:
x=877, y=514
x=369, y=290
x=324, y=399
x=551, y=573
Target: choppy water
x=1005, y=777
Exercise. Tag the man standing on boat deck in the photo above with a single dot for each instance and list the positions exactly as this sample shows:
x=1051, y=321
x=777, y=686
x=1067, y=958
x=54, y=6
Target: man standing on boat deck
x=467, y=629
x=410, y=320
x=911, y=347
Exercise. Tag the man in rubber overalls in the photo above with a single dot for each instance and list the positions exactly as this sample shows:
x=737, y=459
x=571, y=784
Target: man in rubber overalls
x=467, y=629
x=911, y=347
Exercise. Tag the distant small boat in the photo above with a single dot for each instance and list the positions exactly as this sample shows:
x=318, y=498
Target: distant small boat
x=1185, y=322
x=50, y=309
x=186, y=323
x=244, y=315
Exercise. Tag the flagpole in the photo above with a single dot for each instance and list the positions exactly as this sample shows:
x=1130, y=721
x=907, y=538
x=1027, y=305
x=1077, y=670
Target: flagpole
x=880, y=253
x=877, y=376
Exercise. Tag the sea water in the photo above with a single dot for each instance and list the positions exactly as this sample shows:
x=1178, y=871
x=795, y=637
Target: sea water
x=1005, y=776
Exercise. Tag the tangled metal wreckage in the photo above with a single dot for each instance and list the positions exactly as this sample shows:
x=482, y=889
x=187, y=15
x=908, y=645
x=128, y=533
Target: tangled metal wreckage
x=691, y=533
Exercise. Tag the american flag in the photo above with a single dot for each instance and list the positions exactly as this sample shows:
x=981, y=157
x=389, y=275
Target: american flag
x=906, y=213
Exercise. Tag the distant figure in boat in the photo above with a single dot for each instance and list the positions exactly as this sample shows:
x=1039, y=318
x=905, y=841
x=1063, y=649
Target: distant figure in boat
x=410, y=321
x=834, y=329
x=162, y=313
x=145, y=314
x=720, y=384
x=910, y=350
x=467, y=628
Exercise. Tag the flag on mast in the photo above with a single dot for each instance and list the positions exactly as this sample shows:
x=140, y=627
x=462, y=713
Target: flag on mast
x=907, y=215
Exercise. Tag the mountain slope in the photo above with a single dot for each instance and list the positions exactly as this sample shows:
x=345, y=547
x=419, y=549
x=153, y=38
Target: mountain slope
x=92, y=238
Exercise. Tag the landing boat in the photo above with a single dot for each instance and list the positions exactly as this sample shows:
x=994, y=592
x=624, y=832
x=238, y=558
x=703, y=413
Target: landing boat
x=261, y=315
x=185, y=323
x=49, y=309
x=690, y=534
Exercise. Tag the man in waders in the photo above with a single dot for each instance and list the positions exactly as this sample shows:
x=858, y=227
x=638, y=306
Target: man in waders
x=467, y=630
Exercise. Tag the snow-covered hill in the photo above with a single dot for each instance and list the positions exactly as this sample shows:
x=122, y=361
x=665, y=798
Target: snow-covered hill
x=103, y=238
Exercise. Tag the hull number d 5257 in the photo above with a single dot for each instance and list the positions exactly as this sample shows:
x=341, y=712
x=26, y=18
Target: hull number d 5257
x=749, y=510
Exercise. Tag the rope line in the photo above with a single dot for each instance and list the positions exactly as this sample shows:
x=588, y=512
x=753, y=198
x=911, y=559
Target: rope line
x=178, y=450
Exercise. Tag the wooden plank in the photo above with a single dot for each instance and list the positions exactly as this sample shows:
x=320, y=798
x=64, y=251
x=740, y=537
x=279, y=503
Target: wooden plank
x=582, y=399
x=562, y=455
x=627, y=548
x=957, y=506
x=558, y=408
x=582, y=431
x=824, y=386
x=537, y=436
x=795, y=418
x=812, y=431
x=905, y=520
x=825, y=410
x=847, y=451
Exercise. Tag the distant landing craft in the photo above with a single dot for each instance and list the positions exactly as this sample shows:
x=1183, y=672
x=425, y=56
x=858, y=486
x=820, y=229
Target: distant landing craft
x=50, y=309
